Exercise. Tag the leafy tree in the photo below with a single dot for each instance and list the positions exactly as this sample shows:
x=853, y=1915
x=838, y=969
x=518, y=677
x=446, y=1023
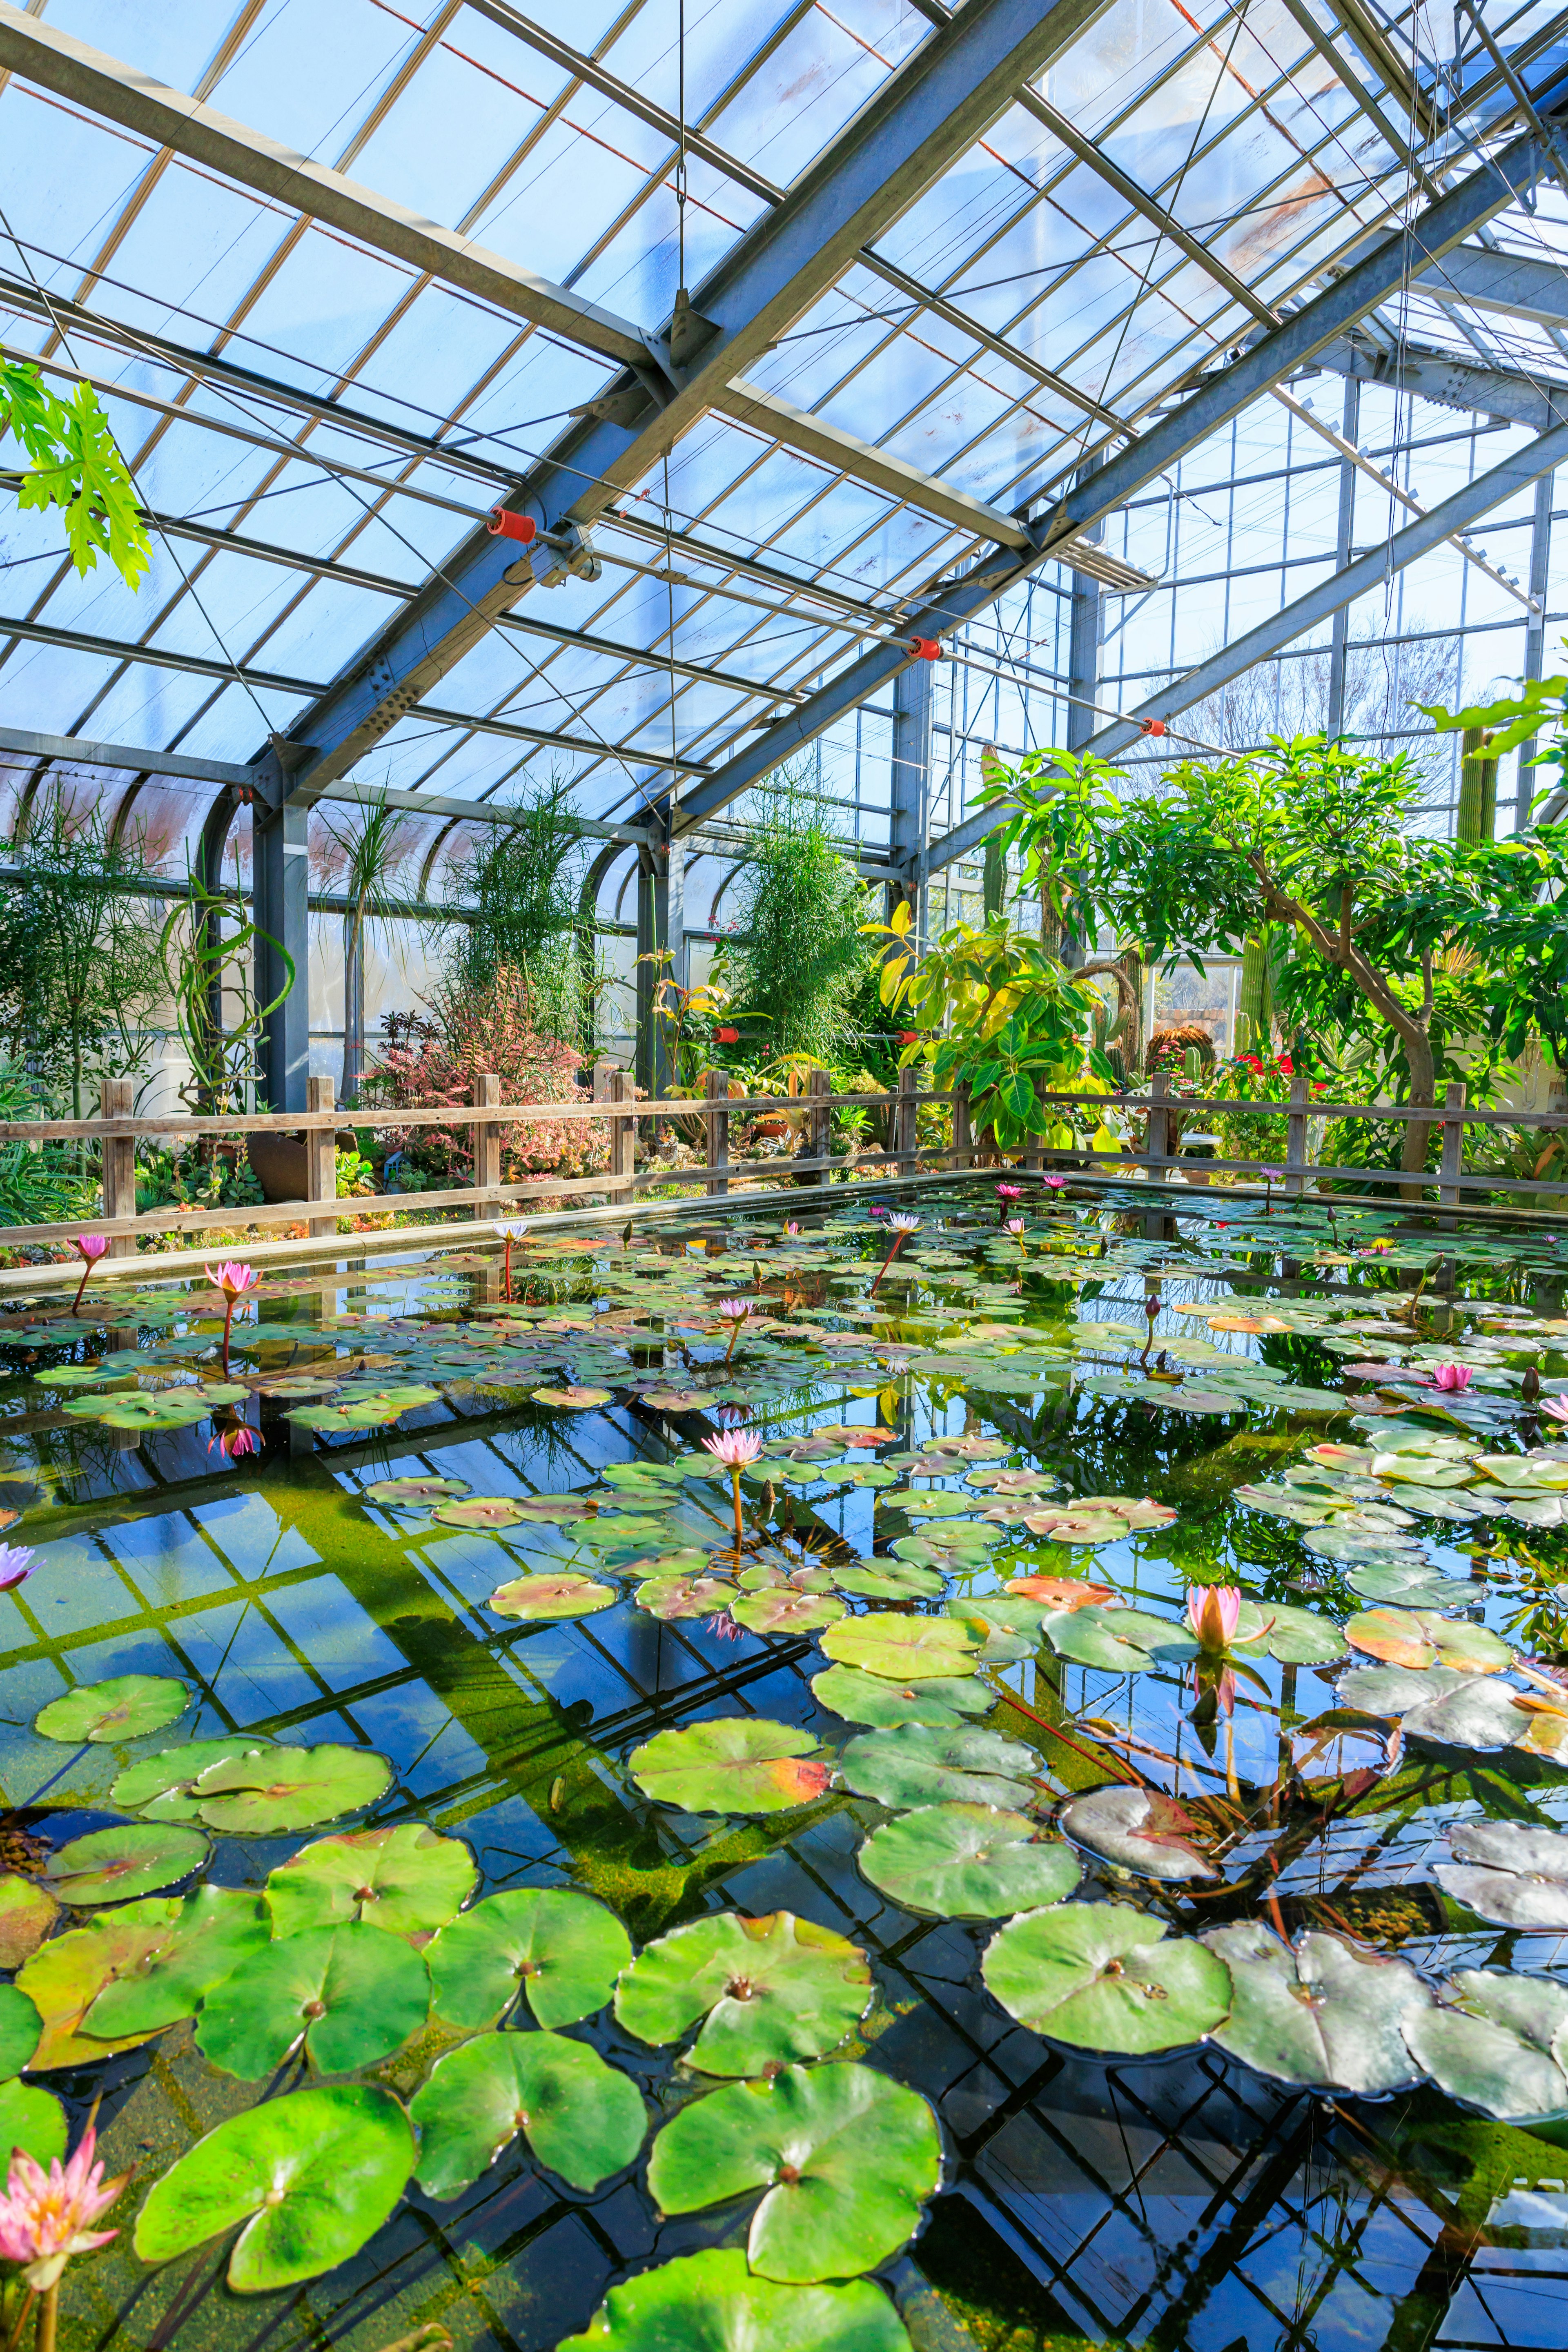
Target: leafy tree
x=796, y=961
x=74, y=463
x=374, y=853
x=1436, y=955
x=521, y=883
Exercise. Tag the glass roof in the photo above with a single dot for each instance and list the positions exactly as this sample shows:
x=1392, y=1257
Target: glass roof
x=317, y=423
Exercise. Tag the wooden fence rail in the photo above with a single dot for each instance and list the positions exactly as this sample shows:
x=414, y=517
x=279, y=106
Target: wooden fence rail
x=1156, y=1158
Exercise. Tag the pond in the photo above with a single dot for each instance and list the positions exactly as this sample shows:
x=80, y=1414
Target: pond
x=1090, y=1868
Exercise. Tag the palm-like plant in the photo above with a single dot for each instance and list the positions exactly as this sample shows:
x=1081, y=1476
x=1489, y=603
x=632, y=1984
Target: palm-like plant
x=375, y=855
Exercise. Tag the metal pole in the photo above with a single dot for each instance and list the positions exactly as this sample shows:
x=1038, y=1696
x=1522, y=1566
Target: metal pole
x=1339, y=643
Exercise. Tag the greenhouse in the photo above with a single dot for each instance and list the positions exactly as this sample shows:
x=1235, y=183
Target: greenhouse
x=783, y=1177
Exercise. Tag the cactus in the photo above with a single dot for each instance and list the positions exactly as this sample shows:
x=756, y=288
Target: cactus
x=1192, y=1066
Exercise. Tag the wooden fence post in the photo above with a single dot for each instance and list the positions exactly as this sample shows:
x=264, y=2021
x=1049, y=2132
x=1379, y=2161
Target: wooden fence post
x=1158, y=1147
x=321, y=1154
x=963, y=1131
x=623, y=1136
x=716, y=1127
x=1296, y=1137
x=818, y=1123
x=905, y=1141
x=115, y=1101
x=1452, y=1165
x=487, y=1148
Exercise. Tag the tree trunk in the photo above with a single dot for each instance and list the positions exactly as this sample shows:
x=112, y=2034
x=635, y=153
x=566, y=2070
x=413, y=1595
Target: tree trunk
x=1422, y=1096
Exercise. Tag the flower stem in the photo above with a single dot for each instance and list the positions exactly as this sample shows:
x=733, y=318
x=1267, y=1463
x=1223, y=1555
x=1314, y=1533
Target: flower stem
x=1232, y=1786
x=735, y=1494
x=227, y=1319
x=734, y=1334
x=81, y=1285
x=886, y=1262
x=15, y=2336
x=49, y=2318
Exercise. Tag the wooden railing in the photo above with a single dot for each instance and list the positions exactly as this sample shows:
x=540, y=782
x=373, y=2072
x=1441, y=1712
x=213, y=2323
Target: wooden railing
x=118, y=1129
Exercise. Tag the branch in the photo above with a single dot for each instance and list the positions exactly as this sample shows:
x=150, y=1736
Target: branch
x=1426, y=986
x=1280, y=904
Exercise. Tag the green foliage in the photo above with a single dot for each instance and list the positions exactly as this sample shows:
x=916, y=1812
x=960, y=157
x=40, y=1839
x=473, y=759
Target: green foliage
x=40, y=1184
x=522, y=882
x=207, y=953
x=374, y=856
x=73, y=464
x=797, y=962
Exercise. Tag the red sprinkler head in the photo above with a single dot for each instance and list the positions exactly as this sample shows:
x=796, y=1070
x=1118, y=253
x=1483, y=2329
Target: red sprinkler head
x=503, y=524
x=926, y=648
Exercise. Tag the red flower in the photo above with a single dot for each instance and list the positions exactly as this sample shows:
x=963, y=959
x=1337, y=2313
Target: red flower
x=1252, y=1063
x=727, y=1037
x=1286, y=1067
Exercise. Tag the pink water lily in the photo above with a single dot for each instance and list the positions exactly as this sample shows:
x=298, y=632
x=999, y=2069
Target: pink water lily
x=900, y=1228
x=235, y=1443
x=1452, y=1378
x=735, y=1448
x=1555, y=1408
x=46, y=2217
x=16, y=1564
x=92, y=1247
x=234, y=1280
x=1214, y=1613
x=735, y=1311
x=1054, y=1184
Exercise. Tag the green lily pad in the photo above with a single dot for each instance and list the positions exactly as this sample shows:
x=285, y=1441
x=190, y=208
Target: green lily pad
x=409, y=1494
x=712, y=2303
x=1410, y=1585
x=32, y=2120
x=969, y=1862
x=782, y=1611
x=560, y=1951
x=733, y=1764
x=112, y=1865
x=124, y=1709
x=917, y=1766
x=1321, y=2016
x=1120, y=1640
x=280, y=1788
x=27, y=1912
x=1498, y=2042
x=481, y=1511
x=903, y=1649
x=406, y=1880
x=163, y=1785
x=313, y=2177
x=65, y=1976
x=351, y=1995
x=1137, y=1830
x=889, y=1580
x=1295, y=1637
x=580, y=2118
x=1281, y=1503
x=574, y=1399
x=542, y=1599
x=770, y=1990
x=1099, y=1975
x=860, y=1697
x=1417, y=1639
x=845, y=2155
x=21, y=2030
x=216, y=1930
x=1508, y=1873
x=928, y=1503
x=670, y=1596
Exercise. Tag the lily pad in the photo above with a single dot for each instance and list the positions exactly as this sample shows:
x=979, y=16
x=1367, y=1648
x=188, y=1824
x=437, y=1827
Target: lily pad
x=903, y=1649
x=112, y=1865
x=559, y=1951
x=542, y=1599
x=916, y=1766
x=845, y=2155
x=573, y=1400
x=21, y=2030
x=1508, y=1873
x=32, y=2120
x=733, y=1764
x=889, y=1580
x=1295, y=1637
x=1498, y=2042
x=1417, y=1639
x=27, y=1912
x=1120, y=1640
x=313, y=2177
x=124, y=1709
x=1055, y=1592
x=860, y=1697
x=215, y=1931
x=65, y=1976
x=409, y=1494
x=482, y=1511
x=712, y=2303
x=1410, y=1586
x=1441, y=1705
x=163, y=1785
x=769, y=1991
x=1321, y=2016
x=1099, y=1975
x=280, y=1788
x=683, y=1596
x=782, y=1611
x=406, y=1880
x=1138, y=1829
x=969, y=1862
x=351, y=1995
x=580, y=2118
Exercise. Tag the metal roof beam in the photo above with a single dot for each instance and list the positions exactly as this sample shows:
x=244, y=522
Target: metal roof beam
x=1098, y=491
x=1470, y=385
x=1480, y=278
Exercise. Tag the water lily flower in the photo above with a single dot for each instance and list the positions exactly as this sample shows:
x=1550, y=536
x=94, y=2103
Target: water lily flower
x=1005, y=1192
x=735, y=1312
x=92, y=1247
x=1054, y=1184
x=792, y=1228
x=1214, y=1613
x=1556, y=1408
x=735, y=1448
x=510, y=1232
x=1451, y=1377
x=1271, y=1176
x=48, y=2217
x=16, y=1564
x=900, y=1228
x=235, y=1443
x=234, y=1280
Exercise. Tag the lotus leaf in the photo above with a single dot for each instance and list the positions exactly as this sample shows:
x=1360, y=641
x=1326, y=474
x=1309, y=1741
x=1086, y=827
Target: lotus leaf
x=1346, y=1546
x=1322, y=2015
x=918, y=1766
x=969, y=1862
x=132, y=1859
x=845, y=2155
x=785, y=1612
x=1281, y=1503
x=65, y=1976
x=351, y=1995
x=481, y=1511
x=919, y=1503
x=1099, y=1975
x=280, y=1788
x=1138, y=1829
x=1434, y=1503
x=903, y=1649
x=733, y=1764
x=560, y=1951
x=580, y=2117
x=770, y=1990
x=1497, y=2042
x=888, y=1579
x=574, y=1399
x=961, y=1547
x=406, y=1880
x=1295, y=1637
x=124, y=1709
x=683, y=1596
x=32, y=2120
x=163, y=1785
x=216, y=1930
x=1417, y=1639
x=1410, y=1586
x=1122, y=1641
x=313, y=2177
x=860, y=1697
x=534, y=1599
x=27, y=1912
x=1508, y=1873
x=712, y=2303
x=21, y=2030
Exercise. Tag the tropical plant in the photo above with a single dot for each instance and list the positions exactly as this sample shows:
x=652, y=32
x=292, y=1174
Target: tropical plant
x=40, y=1184
x=207, y=956
x=374, y=854
x=520, y=884
x=795, y=960
x=73, y=464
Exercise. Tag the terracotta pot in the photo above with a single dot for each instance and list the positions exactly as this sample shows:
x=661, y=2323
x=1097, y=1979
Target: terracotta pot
x=279, y=1166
